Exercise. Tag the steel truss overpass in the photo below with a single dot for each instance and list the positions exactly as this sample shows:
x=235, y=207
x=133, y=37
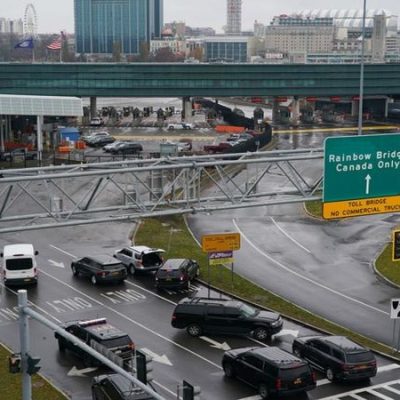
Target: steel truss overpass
x=79, y=194
x=213, y=80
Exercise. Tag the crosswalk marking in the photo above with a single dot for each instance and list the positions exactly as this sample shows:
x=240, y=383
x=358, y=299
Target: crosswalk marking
x=357, y=393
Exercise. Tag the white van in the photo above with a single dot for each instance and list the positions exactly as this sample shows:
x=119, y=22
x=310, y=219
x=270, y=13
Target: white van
x=19, y=264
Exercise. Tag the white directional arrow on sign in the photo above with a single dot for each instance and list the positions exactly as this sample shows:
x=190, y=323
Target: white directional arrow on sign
x=57, y=264
x=157, y=358
x=80, y=372
x=221, y=346
x=285, y=332
x=367, y=181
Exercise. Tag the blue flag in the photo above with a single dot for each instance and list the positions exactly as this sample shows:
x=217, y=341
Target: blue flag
x=25, y=44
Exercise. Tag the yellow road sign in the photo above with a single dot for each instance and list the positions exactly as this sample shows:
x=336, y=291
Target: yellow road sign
x=220, y=242
x=355, y=208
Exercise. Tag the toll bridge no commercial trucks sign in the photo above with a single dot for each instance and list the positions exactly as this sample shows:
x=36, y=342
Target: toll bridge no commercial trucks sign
x=361, y=175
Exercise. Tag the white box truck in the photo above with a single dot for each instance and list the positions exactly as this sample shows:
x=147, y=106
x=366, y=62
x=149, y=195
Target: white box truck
x=19, y=264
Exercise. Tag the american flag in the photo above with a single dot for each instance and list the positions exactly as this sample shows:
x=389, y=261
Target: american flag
x=55, y=44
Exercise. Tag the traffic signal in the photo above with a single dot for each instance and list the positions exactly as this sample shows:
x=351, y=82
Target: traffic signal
x=14, y=363
x=190, y=392
x=32, y=366
x=144, y=367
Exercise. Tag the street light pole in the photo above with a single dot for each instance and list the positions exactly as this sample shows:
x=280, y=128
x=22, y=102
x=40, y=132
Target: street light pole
x=360, y=101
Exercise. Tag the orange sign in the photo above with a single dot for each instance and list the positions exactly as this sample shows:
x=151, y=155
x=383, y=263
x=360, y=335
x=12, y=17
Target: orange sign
x=356, y=208
x=220, y=242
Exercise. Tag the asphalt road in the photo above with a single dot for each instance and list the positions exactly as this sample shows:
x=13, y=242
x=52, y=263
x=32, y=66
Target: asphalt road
x=136, y=308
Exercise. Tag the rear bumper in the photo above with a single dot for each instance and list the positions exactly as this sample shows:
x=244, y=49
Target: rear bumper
x=21, y=281
x=286, y=392
x=355, y=376
x=171, y=284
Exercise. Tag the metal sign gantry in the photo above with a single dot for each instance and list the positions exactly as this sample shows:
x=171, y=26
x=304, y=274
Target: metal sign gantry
x=79, y=194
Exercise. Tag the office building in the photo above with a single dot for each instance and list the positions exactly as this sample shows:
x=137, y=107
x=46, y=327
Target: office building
x=15, y=26
x=226, y=49
x=101, y=24
x=234, y=17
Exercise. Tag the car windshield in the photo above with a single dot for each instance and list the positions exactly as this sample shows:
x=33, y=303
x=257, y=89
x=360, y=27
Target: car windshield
x=248, y=311
x=15, y=264
x=365, y=356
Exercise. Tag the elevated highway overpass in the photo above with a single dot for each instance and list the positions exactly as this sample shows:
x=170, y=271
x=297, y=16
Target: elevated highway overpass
x=190, y=80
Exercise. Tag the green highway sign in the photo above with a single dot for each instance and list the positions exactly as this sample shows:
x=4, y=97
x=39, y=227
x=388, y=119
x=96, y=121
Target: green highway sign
x=361, y=167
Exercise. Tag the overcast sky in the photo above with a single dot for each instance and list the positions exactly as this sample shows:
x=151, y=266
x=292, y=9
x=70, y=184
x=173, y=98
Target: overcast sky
x=57, y=15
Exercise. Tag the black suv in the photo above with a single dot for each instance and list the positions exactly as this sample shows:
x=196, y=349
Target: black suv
x=270, y=370
x=127, y=148
x=116, y=387
x=100, y=268
x=100, y=331
x=337, y=356
x=223, y=316
x=177, y=273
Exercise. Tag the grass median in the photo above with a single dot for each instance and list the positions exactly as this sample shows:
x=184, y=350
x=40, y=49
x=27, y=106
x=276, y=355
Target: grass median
x=172, y=235
x=11, y=387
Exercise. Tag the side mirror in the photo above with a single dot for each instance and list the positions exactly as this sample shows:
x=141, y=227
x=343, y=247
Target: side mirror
x=36, y=253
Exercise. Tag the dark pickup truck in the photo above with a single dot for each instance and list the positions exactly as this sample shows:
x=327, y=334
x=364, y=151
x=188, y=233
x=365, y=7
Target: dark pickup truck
x=217, y=148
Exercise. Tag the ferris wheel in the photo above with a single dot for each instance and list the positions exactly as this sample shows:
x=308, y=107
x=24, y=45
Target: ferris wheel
x=30, y=21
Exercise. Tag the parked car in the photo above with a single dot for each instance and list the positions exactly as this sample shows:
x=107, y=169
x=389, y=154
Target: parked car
x=93, y=135
x=177, y=273
x=100, y=141
x=217, y=148
x=127, y=148
x=198, y=315
x=339, y=357
x=116, y=387
x=271, y=370
x=234, y=137
x=107, y=148
x=99, y=268
x=19, y=152
x=96, y=121
x=140, y=258
x=99, y=331
x=179, y=126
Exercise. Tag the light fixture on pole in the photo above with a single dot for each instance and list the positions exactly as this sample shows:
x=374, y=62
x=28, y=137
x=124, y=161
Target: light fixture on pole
x=360, y=101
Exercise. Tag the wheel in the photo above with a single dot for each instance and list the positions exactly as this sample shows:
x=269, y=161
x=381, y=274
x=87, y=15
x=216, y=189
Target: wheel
x=194, y=330
x=132, y=269
x=93, y=279
x=228, y=370
x=330, y=375
x=263, y=391
x=261, y=334
x=61, y=346
x=74, y=270
x=297, y=352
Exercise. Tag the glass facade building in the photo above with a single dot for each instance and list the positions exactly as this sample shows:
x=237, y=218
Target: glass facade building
x=101, y=23
x=226, y=49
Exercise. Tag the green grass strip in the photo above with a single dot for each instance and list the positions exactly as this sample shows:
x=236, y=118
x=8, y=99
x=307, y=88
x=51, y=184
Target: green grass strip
x=171, y=234
x=11, y=387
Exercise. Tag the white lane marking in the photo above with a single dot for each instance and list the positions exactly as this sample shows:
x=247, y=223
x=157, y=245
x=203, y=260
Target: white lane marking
x=321, y=382
x=221, y=346
x=133, y=321
x=380, y=395
x=30, y=303
x=289, y=237
x=287, y=269
x=57, y=264
x=353, y=393
x=63, y=251
x=388, y=367
x=391, y=389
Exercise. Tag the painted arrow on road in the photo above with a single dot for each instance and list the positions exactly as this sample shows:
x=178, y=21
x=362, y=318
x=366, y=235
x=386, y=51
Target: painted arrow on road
x=57, y=264
x=157, y=358
x=285, y=332
x=80, y=372
x=221, y=346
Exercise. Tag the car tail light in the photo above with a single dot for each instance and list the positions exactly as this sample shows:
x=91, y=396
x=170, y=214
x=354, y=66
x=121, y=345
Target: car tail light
x=35, y=272
x=314, y=377
x=346, y=367
x=278, y=384
x=173, y=317
x=102, y=273
x=131, y=346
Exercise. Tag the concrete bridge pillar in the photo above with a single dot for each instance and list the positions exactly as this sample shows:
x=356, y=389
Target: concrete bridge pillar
x=275, y=111
x=39, y=137
x=295, y=111
x=386, y=107
x=2, y=138
x=187, y=109
x=354, y=108
x=93, y=107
